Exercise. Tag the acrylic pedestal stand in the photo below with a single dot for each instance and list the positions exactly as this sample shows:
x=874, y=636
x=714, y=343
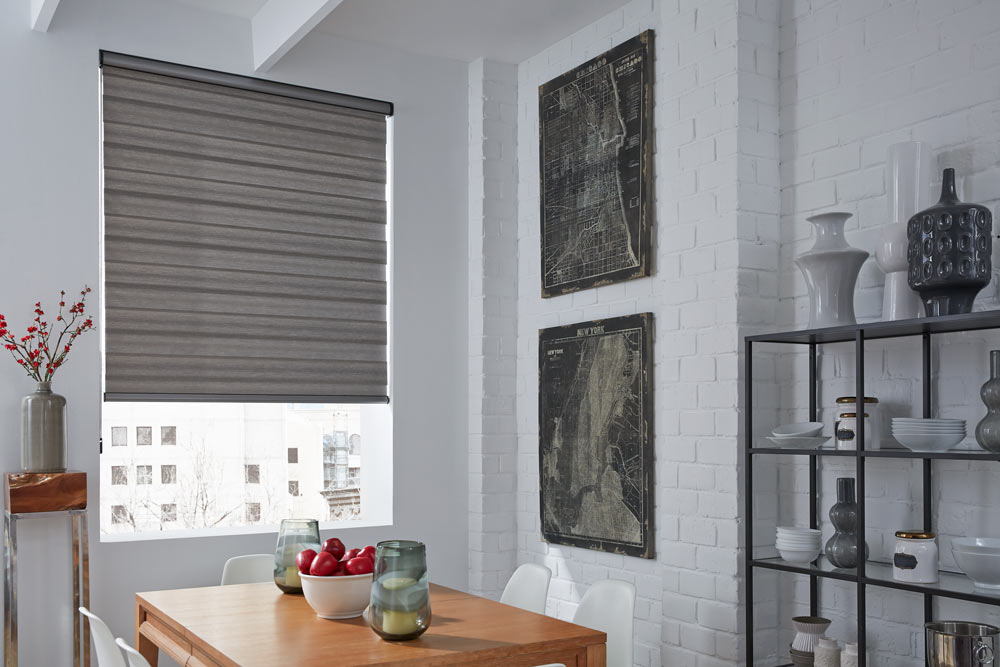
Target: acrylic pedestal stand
x=38, y=495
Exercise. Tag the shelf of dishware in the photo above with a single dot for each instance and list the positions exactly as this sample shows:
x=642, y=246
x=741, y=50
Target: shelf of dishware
x=895, y=329
x=954, y=585
x=952, y=454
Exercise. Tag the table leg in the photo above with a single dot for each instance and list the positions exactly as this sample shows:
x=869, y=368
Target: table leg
x=143, y=644
x=597, y=655
x=85, y=576
x=10, y=590
x=74, y=528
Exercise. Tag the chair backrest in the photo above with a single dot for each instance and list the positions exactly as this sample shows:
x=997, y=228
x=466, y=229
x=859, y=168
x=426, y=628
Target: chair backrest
x=609, y=606
x=135, y=658
x=528, y=588
x=108, y=654
x=252, y=569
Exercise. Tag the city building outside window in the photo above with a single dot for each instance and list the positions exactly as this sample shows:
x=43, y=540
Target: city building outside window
x=119, y=514
x=168, y=512
x=168, y=474
x=252, y=473
x=119, y=475
x=144, y=474
x=168, y=435
x=119, y=436
x=253, y=512
x=143, y=435
x=293, y=454
x=293, y=488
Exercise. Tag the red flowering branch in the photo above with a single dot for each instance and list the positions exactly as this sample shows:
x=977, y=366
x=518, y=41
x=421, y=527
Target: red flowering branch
x=32, y=351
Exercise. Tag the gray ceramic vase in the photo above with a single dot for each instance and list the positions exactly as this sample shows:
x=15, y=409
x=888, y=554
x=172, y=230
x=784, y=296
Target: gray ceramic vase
x=949, y=248
x=988, y=429
x=842, y=548
x=43, y=431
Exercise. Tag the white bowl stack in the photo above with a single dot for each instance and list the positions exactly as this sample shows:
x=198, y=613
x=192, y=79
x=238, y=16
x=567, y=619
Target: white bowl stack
x=928, y=435
x=979, y=559
x=797, y=545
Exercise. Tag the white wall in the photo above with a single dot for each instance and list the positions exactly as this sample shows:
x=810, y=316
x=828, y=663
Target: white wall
x=49, y=185
x=857, y=76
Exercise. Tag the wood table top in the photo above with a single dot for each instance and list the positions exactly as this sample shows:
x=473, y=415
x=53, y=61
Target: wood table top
x=256, y=624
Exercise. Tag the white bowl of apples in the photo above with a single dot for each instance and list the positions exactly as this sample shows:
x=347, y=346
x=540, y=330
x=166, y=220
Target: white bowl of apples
x=337, y=583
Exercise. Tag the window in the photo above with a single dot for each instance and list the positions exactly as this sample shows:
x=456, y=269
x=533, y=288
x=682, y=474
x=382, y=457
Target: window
x=168, y=512
x=119, y=436
x=119, y=475
x=293, y=488
x=119, y=514
x=221, y=276
x=168, y=474
x=252, y=473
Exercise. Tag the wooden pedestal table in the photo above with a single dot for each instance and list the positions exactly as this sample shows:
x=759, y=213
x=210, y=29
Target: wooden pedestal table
x=255, y=625
x=37, y=495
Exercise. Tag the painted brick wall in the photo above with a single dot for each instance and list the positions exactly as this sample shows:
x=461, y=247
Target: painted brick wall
x=857, y=76
x=492, y=324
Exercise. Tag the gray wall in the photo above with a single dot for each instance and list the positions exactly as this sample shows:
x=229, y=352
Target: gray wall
x=49, y=189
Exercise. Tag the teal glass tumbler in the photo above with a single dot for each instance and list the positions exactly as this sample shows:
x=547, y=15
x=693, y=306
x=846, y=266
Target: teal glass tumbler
x=401, y=601
x=294, y=536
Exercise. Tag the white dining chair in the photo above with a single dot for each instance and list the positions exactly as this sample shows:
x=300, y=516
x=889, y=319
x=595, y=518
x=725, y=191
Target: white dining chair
x=528, y=588
x=609, y=606
x=108, y=654
x=251, y=569
x=135, y=658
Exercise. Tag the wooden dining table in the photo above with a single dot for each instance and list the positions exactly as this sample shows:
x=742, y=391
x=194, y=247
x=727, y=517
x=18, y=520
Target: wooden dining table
x=256, y=625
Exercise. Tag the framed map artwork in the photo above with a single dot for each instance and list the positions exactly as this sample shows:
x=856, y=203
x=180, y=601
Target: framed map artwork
x=595, y=453
x=595, y=170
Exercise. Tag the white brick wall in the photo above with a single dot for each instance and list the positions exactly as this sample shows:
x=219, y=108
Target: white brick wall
x=492, y=324
x=857, y=76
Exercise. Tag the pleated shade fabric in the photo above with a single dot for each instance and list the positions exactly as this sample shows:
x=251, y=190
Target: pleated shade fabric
x=244, y=244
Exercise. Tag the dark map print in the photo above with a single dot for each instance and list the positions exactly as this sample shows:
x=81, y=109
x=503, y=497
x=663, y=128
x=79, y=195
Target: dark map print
x=594, y=434
x=594, y=158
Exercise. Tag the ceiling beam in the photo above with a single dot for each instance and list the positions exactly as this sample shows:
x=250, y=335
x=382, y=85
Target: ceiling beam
x=279, y=25
x=42, y=12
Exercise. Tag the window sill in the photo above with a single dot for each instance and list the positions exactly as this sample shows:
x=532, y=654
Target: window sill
x=232, y=531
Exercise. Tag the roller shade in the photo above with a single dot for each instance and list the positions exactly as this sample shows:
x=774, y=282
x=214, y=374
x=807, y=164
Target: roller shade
x=244, y=242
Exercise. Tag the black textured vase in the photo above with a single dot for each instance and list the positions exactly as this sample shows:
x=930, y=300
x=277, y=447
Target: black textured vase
x=948, y=249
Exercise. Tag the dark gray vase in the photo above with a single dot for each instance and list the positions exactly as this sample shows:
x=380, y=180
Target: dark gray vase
x=949, y=248
x=842, y=548
x=988, y=429
x=43, y=431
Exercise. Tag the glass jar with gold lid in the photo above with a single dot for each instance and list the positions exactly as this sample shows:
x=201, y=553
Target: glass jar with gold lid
x=873, y=424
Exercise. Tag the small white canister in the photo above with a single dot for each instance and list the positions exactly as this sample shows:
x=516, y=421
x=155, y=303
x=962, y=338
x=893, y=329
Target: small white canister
x=915, y=560
x=827, y=653
x=849, y=656
x=846, y=431
x=873, y=425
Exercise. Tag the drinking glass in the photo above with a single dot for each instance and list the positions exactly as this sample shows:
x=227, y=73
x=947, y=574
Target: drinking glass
x=295, y=535
x=401, y=604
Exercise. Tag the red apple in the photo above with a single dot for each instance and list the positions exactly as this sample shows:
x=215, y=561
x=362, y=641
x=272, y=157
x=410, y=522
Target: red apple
x=323, y=565
x=360, y=565
x=304, y=560
x=353, y=553
x=368, y=552
x=334, y=547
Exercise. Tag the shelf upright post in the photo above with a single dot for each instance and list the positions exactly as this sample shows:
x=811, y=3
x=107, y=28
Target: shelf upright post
x=859, y=400
x=926, y=341
x=813, y=484
x=748, y=497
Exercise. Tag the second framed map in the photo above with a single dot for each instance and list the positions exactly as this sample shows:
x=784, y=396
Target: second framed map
x=595, y=161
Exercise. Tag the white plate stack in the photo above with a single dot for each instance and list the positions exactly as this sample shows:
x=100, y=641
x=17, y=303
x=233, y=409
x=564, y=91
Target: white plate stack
x=797, y=545
x=928, y=435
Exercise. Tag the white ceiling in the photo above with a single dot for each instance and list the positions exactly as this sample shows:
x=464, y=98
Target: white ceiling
x=506, y=30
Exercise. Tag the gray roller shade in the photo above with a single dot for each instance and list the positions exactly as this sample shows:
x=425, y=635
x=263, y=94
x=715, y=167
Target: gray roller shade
x=244, y=244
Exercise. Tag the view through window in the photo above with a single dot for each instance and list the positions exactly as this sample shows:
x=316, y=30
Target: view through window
x=220, y=467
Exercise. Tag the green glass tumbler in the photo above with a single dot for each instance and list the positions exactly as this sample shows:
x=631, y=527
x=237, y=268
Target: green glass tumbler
x=401, y=602
x=295, y=536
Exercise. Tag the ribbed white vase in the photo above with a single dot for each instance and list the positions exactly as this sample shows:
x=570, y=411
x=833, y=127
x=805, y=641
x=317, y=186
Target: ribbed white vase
x=831, y=270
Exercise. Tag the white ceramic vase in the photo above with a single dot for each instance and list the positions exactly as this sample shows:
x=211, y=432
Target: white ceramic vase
x=831, y=271
x=908, y=177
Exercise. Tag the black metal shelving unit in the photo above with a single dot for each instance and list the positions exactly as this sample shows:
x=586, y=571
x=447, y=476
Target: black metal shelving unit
x=870, y=573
